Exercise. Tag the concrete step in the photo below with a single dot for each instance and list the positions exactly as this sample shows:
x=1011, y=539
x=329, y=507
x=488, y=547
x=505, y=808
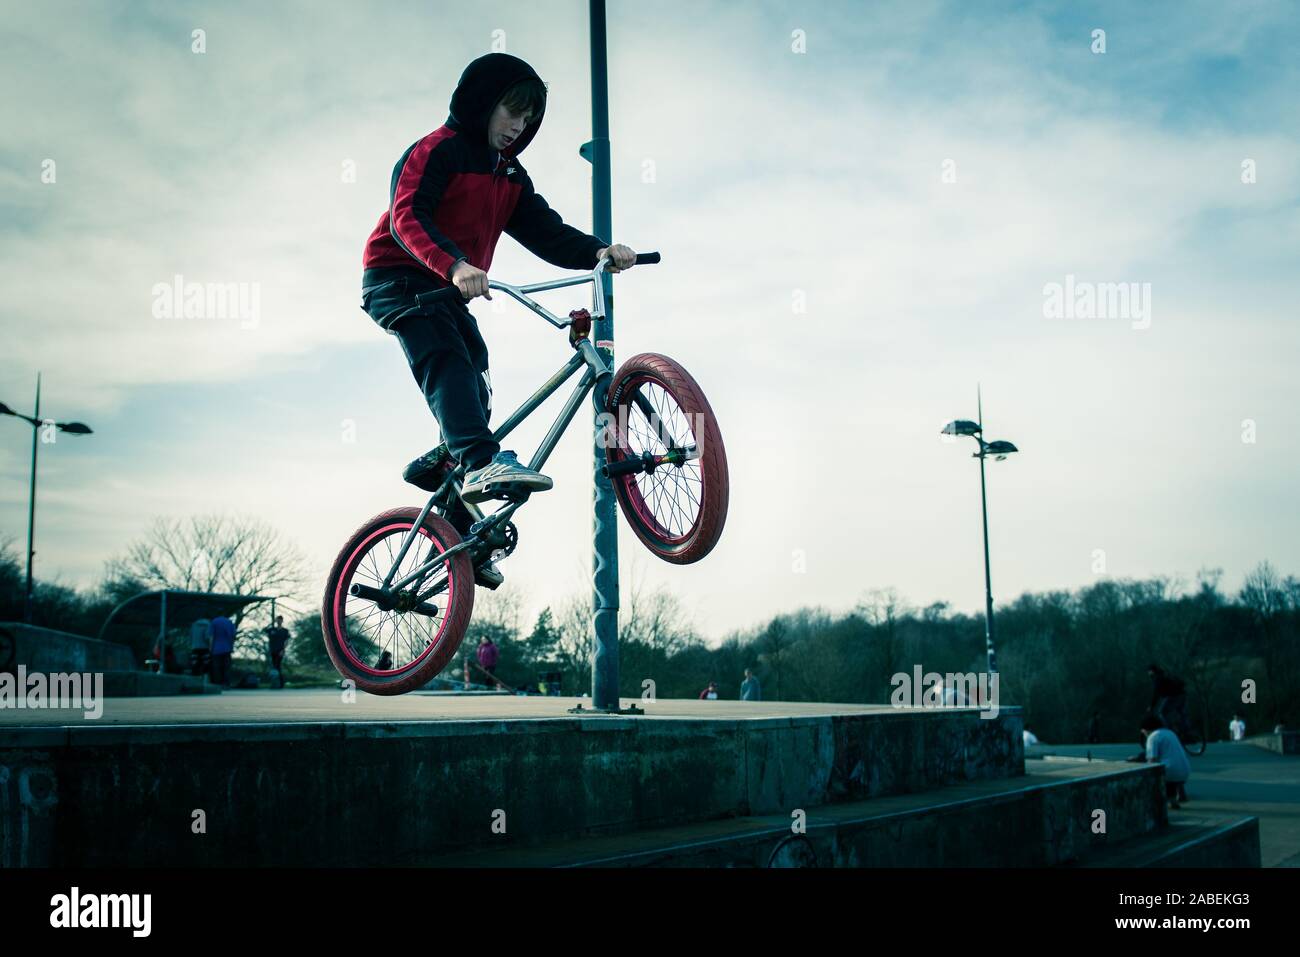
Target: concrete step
x=1189, y=841
x=1042, y=819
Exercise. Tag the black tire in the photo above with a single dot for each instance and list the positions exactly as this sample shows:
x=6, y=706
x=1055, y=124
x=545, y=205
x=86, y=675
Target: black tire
x=356, y=629
x=678, y=511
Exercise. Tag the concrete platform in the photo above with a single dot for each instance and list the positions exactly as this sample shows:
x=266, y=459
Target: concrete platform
x=442, y=774
x=289, y=706
x=319, y=778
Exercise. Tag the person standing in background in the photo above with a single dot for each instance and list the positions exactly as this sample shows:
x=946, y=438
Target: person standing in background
x=487, y=658
x=277, y=637
x=1094, y=728
x=223, y=646
x=200, y=646
x=1237, y=728
x=749, y=688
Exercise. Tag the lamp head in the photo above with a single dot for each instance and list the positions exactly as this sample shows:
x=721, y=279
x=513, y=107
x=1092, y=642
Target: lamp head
x=961, y=427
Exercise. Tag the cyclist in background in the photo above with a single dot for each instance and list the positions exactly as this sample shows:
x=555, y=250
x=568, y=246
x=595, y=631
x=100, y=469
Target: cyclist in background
x=1168, y=699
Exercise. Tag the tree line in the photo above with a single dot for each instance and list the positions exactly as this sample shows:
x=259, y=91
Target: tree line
x=1063, y=655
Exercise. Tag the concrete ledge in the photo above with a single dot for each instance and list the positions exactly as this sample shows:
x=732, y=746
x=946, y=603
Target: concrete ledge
x=47, y=650
x=368, y=793
x=138, y=684
x=1283, y=742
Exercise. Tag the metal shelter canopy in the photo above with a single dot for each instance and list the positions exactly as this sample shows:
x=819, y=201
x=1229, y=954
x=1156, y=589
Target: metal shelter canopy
x=179, y=607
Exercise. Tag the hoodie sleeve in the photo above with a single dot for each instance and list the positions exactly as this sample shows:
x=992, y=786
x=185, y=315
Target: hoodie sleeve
x=541, y=231
x=418, y=184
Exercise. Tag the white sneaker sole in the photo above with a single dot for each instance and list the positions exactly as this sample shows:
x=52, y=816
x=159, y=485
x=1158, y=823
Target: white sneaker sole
x=508, y=487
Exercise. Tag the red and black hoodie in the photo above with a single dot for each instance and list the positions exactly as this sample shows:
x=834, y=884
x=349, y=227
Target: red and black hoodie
x=452, y=195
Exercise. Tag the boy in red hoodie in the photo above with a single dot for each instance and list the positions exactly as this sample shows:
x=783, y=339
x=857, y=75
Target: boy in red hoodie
x=453, y=193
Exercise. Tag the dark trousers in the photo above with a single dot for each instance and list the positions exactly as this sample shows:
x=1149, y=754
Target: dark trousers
x=447, y=356
x=221, y=669
x=277, y=662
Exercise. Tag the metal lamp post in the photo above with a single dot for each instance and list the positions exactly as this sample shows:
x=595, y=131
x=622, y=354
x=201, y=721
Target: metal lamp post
x=999, y=450
x=34, y=420
x=604, y=665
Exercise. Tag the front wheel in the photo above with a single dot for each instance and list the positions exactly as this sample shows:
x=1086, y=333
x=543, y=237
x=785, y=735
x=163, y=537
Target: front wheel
x=665, y=458
x=391, y=644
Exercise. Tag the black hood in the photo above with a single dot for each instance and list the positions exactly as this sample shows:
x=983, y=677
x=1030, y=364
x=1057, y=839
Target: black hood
x=479, y=91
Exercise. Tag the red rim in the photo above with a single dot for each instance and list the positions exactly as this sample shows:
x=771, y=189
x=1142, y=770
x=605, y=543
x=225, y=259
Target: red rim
x=634, y=486
x=341, y=597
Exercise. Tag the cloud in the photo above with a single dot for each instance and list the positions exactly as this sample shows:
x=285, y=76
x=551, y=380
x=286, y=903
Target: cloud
x=778, y=178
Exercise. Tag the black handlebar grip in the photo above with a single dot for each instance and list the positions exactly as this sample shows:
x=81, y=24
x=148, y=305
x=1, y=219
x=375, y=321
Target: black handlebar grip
x=646, y=259
x=449, y=295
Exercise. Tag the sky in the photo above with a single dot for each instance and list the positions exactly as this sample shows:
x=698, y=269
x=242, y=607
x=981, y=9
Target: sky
x=863, y=211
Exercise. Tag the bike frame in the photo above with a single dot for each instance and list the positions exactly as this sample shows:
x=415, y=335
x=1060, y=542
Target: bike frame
x=596, y=372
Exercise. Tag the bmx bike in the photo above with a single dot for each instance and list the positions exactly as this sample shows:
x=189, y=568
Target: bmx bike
x=1191, y=734
x=400, y=594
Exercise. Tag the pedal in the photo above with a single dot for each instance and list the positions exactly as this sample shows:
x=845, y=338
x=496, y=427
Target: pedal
x=491, y=584
x=506, y=492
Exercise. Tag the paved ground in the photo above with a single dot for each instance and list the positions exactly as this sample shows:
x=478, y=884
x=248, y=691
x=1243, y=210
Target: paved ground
x=1230, y=778
x=315, y=705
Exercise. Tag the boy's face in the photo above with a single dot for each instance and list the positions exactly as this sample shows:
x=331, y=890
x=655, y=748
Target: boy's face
x=505, y=127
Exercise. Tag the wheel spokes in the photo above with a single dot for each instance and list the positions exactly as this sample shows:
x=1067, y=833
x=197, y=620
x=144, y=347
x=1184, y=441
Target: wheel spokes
x=672, y=494
x=370, y=632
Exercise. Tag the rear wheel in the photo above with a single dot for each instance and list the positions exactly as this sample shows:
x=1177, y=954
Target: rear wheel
x=1193, y=739
x=665, y=458
x=391, y=644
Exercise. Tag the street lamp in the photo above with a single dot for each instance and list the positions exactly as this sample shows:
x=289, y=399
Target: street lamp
x=999, y=450
x=35, y=421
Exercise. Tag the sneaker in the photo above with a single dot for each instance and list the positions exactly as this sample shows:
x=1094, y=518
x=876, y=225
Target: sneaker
x=488, y=575
x=430, y=470
x=502, y=477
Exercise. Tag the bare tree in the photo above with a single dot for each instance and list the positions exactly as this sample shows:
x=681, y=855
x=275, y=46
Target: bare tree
x=497, y=613
x=1264, y=592
x=882, y=608
x=214, y=553
x=657, y=619
x=654, y=619
x=1270, y=597
x=573, y=619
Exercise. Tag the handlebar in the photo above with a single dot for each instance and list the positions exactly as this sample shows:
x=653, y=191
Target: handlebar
x=452, y=294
